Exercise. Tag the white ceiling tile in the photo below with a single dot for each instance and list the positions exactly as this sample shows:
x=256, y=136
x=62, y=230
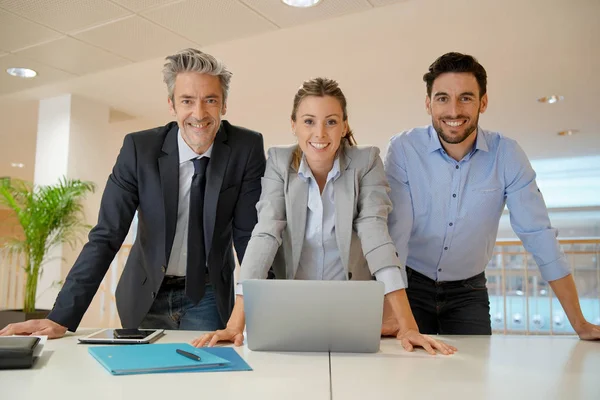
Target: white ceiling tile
x=140, y=5
x=16, y=32
x=73, y=56
x=10, y=84
x=208, y=22
x=136, y=39
x=66, y=15
x=284, y=15
x=381, y=3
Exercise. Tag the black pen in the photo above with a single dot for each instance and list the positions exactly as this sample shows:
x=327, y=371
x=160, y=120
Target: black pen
x=188, y=355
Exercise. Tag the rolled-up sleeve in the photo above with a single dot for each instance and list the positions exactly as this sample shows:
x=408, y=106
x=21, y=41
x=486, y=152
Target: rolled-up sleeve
x=529, y=215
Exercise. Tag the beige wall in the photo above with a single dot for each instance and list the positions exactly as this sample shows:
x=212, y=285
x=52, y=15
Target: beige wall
x=17, y=138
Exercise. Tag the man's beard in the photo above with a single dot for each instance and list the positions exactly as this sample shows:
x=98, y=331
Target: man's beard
x=453, y=139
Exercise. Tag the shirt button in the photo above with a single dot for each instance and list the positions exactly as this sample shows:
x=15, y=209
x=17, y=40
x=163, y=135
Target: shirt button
x=163, y=269
x=457, y=167
x=439, y=270
x=445, y=248
x=454, y=195
x=450, y=224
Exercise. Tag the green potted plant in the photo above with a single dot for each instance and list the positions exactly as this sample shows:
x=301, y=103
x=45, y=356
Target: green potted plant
x=48, y=216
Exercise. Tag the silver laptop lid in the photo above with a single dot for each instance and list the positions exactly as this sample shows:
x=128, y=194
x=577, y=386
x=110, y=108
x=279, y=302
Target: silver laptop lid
x=314, y=316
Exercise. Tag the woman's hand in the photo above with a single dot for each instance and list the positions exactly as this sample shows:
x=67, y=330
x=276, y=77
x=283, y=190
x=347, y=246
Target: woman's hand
x=411, y=338
x=399, y=321
x=210, y=339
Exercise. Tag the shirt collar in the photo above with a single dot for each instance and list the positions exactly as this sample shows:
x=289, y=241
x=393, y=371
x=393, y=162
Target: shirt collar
x=435, y=144
x=186, y=153
x=481, y=141
x=434, y=140
x=305, y=172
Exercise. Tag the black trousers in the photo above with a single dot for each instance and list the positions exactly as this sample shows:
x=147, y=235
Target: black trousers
x=449, y=308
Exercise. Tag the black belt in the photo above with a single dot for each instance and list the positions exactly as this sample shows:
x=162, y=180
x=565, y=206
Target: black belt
x=179, y=281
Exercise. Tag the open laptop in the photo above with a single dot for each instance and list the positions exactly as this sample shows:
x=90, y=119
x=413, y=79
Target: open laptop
x=314, y=316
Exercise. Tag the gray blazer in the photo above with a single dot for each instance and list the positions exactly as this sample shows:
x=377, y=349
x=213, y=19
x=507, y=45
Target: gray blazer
x=362, y=206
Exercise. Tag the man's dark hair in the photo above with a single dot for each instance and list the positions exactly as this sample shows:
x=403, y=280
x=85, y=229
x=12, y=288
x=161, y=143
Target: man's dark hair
x=456, y=62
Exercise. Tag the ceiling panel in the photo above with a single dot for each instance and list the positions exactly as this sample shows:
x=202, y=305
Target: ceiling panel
x=140, y=5
x=284, y=15
x=46, y=74
x=16, y=32
x=381, y=3
x=66, y=15
x=135, y=39
x=208, y=22
x=73, y=56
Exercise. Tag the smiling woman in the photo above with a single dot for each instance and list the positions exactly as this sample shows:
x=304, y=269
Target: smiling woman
x=320, y=122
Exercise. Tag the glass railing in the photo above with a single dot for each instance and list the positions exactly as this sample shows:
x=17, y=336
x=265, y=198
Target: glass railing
x=520, y=301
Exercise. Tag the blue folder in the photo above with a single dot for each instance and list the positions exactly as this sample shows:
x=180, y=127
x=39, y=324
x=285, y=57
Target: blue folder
x=160, y=358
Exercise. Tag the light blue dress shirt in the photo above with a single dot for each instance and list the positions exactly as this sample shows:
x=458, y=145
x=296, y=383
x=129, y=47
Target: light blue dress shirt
x=446, y=212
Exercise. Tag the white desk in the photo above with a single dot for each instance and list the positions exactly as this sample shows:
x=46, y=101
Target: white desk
x=496, y=367
x=66, y=371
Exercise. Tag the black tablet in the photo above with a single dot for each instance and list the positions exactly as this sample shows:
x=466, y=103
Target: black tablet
x=123, y=336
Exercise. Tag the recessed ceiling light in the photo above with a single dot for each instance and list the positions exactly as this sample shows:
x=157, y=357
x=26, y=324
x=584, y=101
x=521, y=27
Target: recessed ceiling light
x=568, y=132
x=17, y=165
x=22, y=72
x=551, y=99
x=301, y=3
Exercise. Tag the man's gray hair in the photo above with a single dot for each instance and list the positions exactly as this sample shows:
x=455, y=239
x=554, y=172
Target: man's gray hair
x=192, y=60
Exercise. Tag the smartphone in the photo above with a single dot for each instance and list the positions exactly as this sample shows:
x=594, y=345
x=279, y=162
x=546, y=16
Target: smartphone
x=130, y=334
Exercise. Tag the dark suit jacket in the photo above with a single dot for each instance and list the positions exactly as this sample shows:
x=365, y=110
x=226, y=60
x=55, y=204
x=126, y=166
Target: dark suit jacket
x=146, y=178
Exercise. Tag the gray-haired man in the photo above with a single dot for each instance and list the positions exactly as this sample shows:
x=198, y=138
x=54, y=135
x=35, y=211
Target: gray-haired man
x=195, y=183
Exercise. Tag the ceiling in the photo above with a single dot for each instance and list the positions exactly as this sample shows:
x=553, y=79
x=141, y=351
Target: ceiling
x=62, y=39
x=113, y=51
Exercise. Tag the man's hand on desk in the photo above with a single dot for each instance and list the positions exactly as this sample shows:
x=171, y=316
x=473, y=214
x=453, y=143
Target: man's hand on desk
x=225, y=335
x=589, y=332
x=35, y=327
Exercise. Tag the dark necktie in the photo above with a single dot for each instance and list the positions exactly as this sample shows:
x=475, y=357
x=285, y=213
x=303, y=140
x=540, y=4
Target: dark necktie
x=196, y=258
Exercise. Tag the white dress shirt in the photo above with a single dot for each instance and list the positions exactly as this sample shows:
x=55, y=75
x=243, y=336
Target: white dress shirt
x=320, y=256
x=178, y=259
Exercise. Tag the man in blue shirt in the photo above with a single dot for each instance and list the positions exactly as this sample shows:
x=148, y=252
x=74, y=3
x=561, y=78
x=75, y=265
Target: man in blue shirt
x=449, y=184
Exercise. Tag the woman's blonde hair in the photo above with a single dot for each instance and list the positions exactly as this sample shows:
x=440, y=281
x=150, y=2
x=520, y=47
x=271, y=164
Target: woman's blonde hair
x=320, y=87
